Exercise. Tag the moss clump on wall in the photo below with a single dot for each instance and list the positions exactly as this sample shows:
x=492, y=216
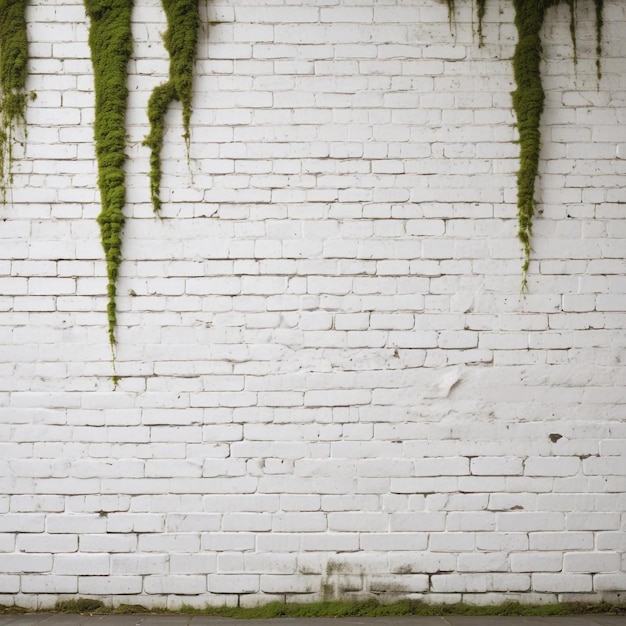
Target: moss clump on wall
x=180, y=40
x=110, y=41
x=13, y=72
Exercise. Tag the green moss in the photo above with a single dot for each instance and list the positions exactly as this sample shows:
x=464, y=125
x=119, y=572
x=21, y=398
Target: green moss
x=97, y=607
x=80, y=605
x=480, y=13
x=110, y=41
x=13, y=72
x=599, y=25
x=572, y=27
x=12, y=610
x=111, y=44
x=528, y=99
x=341, y=608
x=181, y=37
x=373, y=608
x=451, y=7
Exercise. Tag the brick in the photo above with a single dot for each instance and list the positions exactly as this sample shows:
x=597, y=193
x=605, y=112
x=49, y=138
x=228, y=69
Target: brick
x=9, y=584
x=175, y=584
x=337, y=542
x=193, y=563
x=390, y=542
x=108, y=543
x=114, y=585
x=609, y=582
x=82, y=564
x=185, y=522
x=404, y=583
x=7, y=543
x=561, y=540
x=562, y=583
x=165, y=542
x=75, y=523
x=483, y=562
x=358, y=521
x=47, y=543
x=537, y=562
x=128, y=564
x=273, y=563
x=22, y=523
x=17, y=563
x=551, y=466
x=593, y=521
x=611, y=541
x=450, y=583
x=444, y=466
x=496, y=466
x=240, y=583
x=527, y=522
x=591, y=562
x=471, y=521
x=289, y=584
x=402, y=522
x=49, y=584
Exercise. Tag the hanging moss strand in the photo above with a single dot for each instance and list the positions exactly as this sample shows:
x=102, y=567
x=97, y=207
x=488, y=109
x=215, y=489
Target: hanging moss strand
x=110, y=41
x=572, y=27
x=451, y=8
x=528, y=99
x=181, y=37
x=599, y=27
x=13, y=73
x=480, y=13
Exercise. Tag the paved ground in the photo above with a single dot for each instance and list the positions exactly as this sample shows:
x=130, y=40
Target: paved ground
x=43, y=619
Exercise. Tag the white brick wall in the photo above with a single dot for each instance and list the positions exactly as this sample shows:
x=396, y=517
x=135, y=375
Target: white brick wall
x=330, y=384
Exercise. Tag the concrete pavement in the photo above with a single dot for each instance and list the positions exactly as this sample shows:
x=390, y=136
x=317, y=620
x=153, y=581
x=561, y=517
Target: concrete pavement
x=46, y=619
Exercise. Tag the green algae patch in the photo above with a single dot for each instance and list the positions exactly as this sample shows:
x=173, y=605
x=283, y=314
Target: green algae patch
x=13, y=73
x=110, y=41
x=180, y=39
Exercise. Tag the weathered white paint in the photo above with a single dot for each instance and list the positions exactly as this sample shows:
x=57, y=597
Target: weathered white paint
x=330, y=384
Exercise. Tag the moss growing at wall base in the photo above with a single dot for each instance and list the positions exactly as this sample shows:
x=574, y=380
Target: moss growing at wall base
x=110, y=41
x=180, y=40
x=13, y=72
